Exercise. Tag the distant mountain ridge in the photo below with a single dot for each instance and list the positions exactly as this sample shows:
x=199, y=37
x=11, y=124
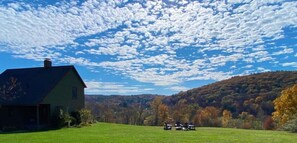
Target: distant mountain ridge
x=118, y=99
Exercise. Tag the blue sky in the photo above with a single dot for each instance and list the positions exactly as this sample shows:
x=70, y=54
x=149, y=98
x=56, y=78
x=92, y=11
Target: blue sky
x=161, y=47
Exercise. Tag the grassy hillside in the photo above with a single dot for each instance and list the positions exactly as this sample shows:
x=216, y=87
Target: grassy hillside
x=117, y=133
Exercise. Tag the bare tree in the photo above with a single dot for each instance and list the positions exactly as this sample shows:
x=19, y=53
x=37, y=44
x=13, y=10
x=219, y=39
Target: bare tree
x=11, y=89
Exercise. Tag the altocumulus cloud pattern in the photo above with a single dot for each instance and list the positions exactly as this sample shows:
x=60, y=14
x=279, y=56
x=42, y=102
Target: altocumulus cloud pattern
x=166, y=44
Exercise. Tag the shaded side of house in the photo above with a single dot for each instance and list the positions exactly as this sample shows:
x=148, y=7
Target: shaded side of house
x=32, y=97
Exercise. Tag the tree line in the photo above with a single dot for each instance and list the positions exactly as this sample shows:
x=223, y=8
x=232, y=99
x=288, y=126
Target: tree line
x=241, y=102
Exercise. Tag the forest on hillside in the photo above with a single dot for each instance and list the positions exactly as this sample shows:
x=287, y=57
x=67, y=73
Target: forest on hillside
x=120, y=109
x=246, y=100
x=253, y=94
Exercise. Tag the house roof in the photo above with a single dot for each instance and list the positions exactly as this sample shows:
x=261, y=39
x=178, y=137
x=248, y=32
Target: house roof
x=32, y=84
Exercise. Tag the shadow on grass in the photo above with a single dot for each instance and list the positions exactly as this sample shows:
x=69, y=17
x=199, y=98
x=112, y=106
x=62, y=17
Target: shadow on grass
x=28, y=130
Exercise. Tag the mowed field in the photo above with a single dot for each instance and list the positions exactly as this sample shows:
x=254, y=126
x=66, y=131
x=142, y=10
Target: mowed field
x=117, y=133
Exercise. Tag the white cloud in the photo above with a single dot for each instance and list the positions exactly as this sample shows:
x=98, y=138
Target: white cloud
x=291, y=64
x=248, y=66
x=106, y=88
x=123, y=51
x=259, y=56
x=179, y=88
x=261, y=69
x=285, y=50
x=57, y=25
x=222, y=60
x=237, y=1
x=78, y=61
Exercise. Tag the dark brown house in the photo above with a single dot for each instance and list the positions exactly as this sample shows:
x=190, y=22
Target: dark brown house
x=31, y=97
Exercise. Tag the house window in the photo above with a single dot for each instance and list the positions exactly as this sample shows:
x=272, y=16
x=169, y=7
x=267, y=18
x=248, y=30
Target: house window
x=74, y=92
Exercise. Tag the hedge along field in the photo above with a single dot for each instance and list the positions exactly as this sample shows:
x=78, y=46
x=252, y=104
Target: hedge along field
x=117, y=133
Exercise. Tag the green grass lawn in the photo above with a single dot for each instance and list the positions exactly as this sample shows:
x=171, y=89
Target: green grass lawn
x=117, y=133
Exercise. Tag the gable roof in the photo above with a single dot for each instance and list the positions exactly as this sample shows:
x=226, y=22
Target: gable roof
x=34, y=83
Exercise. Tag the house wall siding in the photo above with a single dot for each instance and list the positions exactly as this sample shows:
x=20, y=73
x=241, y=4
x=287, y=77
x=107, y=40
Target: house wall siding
x=61, y=95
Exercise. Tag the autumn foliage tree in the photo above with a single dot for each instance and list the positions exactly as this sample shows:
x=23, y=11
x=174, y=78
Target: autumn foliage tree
x=155, y=104
x=285, y=105
x=160, y=111
x=247, y=120
x=227, y=116
x=181, y=111
x=163, y=113
x=268, y=123
x=209, y=116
